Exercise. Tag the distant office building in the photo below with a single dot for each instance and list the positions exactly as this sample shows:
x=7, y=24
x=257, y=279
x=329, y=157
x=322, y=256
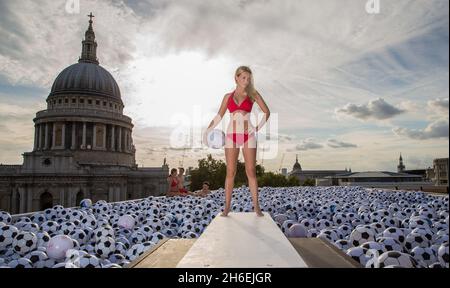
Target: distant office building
x=402, y=169
x=438, y=174
x=376, y=179
x=420, y=172
x=414, y=179
x=303, y=175
x=440, y=171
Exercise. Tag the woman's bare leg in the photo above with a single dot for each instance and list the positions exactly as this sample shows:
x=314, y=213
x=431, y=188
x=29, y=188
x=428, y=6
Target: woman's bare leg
x=231, y=156
x=249, y=152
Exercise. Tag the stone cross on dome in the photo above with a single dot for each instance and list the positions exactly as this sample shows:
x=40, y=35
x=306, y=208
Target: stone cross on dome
x=89, y=45
x=90, y=16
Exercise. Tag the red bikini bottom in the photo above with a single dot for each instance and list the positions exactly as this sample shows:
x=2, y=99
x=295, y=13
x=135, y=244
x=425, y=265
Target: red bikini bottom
x=239, y=138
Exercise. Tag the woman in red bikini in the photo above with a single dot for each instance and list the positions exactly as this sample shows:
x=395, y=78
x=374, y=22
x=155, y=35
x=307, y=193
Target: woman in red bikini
x=174, y=185
x=240, y=133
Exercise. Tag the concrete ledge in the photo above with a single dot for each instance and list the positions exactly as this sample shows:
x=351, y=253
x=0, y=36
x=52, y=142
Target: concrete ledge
x=167, y=254
x=321, y=254
x=315, y=252
x=242, y=240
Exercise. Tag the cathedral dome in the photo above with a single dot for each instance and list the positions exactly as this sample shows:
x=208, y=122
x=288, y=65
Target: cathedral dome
x=86, y=78
x=297, y=165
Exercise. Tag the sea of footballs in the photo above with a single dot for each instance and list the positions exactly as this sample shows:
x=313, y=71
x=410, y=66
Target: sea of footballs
x=375, y=227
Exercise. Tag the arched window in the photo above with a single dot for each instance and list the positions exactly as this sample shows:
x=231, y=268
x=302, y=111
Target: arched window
x=18, y=203
x=46, y=201
x=80, y=196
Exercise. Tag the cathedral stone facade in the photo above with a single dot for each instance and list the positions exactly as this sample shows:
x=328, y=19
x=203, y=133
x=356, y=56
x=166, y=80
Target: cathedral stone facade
x=83, y=145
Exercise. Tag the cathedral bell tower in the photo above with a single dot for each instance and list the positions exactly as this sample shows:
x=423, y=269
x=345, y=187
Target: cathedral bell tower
x=400, y=166
x=89, y=51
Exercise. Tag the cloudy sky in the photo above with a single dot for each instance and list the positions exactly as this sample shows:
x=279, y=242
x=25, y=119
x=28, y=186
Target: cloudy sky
x=346, y=88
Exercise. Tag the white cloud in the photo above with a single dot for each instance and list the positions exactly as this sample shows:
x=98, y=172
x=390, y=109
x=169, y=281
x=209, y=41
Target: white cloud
x=333, y=143
x=411, y=106
x=307, y=144
x=42, y=38
x=436, y=129
x=377, y=109
x=439, y=105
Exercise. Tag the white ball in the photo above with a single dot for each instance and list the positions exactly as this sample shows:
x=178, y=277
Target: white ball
x=126, y=221
x=280, y=218
x=134, y=252
x=86, y=203
x=117, y=258
x=47, y=263
x=79, y=235
x=216, y=139
x=7, y=234
x=24, y=242
x=138, y=249
x=89, y=261
x=156, y=237
x=286, y=225
x=51, y=227
x=105, y=246
x=361, y=235
x=121, y=248
x=58, y=246
x=390, y=244
x=396, y=258
x=104, y=231
x=37, y=256
x=146, y=230
x=424, y=256
x=5, y=217
x=42, y=238
x=111, y=265
x=342, y=244
x=443, y=255
x=297, y=231
x=358, y=254
x=21, y=263
x=73, y=256
x=137, y=237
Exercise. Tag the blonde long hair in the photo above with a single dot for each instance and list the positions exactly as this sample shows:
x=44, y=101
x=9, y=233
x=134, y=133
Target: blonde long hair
x=250, y=89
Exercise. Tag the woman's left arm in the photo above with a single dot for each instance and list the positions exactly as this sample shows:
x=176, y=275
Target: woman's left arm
x=262, y=104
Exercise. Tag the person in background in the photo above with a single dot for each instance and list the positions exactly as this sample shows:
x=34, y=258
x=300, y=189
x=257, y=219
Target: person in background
x=181, y=188
x=173, y=182
x=204, y=191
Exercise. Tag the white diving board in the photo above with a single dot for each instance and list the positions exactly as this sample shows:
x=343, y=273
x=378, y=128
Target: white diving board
x=242, y=240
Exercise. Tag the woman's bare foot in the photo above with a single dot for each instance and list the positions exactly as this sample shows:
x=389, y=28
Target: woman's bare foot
x=225, y=213
x=259, y=213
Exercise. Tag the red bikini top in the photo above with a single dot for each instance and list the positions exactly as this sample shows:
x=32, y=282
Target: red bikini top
x=246, y=105
x=174, y=183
